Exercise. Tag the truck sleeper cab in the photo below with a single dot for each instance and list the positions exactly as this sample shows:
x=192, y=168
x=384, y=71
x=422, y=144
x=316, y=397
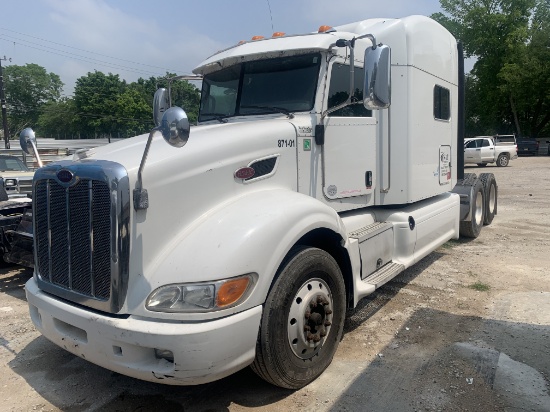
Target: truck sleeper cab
x=308, y=183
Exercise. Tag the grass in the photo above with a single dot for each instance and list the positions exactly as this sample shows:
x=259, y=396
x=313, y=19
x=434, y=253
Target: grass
x=480, y=287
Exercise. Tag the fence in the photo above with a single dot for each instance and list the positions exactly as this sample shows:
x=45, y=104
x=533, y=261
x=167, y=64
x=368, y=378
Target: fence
x=51, y=150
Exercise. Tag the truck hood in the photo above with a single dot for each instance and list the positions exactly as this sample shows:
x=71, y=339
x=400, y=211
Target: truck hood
x=186, y=185
x=213, y=142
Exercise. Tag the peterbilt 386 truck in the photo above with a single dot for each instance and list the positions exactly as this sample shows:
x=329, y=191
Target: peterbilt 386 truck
x=322, y=166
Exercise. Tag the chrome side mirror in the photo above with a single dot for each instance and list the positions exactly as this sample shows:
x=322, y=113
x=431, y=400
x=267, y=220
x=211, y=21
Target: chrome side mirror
x=161, y=103
x=27, y=140
x=377, y=84
x=175, y=127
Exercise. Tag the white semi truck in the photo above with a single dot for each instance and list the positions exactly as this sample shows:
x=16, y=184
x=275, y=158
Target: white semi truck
x=323, y=165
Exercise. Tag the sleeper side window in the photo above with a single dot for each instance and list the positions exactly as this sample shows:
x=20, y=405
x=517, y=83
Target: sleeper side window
x=442, y=103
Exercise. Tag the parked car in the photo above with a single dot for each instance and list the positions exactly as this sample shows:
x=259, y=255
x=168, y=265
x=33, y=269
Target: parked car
x=482, y=150
x=528, y=146
x=17, y=177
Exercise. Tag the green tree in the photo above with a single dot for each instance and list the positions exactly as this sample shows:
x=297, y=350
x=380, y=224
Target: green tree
x=133, y=113
x=58, y=119
x=508, y=89
x=95, y=97
x=184, y=94
x=28, y=89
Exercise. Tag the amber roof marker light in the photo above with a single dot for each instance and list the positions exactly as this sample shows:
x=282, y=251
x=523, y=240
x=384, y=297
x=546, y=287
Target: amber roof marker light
x=325, y=29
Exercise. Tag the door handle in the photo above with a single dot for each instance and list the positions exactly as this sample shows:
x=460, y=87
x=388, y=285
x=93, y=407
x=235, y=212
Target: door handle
x=368, y=179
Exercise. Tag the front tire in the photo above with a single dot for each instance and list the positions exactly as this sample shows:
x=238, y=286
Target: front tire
x=503, y=160
x=302, y=321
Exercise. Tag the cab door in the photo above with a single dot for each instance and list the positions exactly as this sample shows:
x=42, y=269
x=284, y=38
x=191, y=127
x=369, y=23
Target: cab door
x=472, y=151
x=349, y=157
x=349, y=151
x=487, y=151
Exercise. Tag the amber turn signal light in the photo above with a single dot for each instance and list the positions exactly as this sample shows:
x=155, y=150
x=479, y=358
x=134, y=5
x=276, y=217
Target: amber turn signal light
x=231, y=291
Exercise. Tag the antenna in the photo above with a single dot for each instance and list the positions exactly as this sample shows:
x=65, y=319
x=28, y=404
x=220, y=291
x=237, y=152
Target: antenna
x=270, y=16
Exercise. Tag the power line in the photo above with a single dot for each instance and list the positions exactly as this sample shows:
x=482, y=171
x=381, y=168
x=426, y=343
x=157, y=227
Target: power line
x=86, y=51
x=270, y=16
x=83, y=58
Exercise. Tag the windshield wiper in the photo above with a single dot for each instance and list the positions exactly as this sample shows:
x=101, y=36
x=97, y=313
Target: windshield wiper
x=220, y=117
x=272, y=109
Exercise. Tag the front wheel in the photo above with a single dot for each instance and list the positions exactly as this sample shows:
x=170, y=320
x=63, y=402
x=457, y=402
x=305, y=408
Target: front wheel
x=302, y=321
x=503, y=160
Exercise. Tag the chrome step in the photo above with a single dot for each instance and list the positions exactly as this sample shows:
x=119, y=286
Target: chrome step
x=384, y=274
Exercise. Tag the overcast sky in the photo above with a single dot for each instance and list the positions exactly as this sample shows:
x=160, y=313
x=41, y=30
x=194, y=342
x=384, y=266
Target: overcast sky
x=143, y=38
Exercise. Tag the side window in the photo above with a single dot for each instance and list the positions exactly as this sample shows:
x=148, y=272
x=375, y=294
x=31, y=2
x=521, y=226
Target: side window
x=339, y=91
x=442, y=103
x=486, y=143
x=474, y=144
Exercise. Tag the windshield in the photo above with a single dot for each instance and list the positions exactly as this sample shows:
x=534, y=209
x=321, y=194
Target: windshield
x=280, y=85
x=12, y=164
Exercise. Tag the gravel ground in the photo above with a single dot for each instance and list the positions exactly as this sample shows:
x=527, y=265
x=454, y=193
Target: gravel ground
x=466, y=329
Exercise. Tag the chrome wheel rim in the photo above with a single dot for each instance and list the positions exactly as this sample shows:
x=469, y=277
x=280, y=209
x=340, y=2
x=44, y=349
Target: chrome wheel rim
x=478, y=211
x=310, y=318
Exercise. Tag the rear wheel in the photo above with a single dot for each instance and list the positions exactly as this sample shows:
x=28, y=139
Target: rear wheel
x=503, y=160
x=302, y=320
x=472, y=228
x=491, y=196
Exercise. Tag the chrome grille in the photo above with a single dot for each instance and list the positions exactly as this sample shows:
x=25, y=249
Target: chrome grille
x=81, y=233
x=79, y=225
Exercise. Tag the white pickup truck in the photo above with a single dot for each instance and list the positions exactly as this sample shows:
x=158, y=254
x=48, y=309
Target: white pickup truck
x=482, y=150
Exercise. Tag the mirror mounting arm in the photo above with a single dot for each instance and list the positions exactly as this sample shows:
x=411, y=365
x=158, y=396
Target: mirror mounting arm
x=351, y=45
x=371, y=38
x=141, y=197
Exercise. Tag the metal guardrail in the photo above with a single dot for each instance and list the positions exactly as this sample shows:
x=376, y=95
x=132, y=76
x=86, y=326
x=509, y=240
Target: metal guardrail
x=51, y=150
x=47, y=156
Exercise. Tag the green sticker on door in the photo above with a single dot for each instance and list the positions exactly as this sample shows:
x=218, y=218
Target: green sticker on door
x=307, y=145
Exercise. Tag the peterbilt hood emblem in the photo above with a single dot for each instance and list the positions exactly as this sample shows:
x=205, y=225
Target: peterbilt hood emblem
x=65, y=176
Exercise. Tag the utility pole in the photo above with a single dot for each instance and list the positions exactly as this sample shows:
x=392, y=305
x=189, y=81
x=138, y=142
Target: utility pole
x=3, y=103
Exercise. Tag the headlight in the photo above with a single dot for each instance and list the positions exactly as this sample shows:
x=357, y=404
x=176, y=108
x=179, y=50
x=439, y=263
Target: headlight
x=10, y=182
x=200, y=297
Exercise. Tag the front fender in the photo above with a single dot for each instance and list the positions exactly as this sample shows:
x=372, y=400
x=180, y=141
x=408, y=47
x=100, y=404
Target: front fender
x=250, y=234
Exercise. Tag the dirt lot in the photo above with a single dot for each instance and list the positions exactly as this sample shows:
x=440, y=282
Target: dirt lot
x=467, y=329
